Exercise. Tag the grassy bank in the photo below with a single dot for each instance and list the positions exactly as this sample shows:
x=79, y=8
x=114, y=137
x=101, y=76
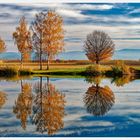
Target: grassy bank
x=66, y=69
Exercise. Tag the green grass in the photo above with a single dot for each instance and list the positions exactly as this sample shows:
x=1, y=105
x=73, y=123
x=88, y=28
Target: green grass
x=72, y=71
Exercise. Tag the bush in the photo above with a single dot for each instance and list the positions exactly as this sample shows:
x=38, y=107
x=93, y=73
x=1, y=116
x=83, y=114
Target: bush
x=23, y=72
x=94, y=70
x=115, y=71
x=123, y=67
x=8, y=71
x=119, y=69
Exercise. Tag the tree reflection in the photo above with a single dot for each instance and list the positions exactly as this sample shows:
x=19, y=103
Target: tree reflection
x=23, y=104
x=121, y=81
x=94, y=79
x=2, y=99
x=48, y=108
x=99, y=100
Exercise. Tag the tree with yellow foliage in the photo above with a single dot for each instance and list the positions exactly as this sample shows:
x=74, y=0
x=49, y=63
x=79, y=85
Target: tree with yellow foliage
x=48, y=35
x=23, y=104
x=98, y=46
x=48, y=108
x=2, y=46
x=22, y=39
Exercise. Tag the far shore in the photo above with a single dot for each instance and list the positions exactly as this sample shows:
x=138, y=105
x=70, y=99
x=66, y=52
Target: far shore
x=64, y=67
x=65, y=64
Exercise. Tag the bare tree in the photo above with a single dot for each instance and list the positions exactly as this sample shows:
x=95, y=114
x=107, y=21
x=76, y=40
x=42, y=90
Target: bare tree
x=48, y=35
x=22, y=39
x=98, y=46
x=38, y=36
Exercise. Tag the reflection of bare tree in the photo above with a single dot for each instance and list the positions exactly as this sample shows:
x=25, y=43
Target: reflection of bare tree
x=99, y=100
x=23, y=104
x=48, y=108
x=2, y=98
x=94, y=79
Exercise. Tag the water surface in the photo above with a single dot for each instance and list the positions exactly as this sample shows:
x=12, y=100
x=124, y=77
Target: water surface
x=69, y=107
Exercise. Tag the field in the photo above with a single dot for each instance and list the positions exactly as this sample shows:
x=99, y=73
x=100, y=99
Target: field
x=63, y=68
x=65, y=64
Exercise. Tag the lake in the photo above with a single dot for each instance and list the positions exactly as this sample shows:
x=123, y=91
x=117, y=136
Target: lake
x=70, y=107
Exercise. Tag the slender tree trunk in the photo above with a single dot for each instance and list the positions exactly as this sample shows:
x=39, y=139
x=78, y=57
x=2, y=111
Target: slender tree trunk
x=21, y=84
x=47, y=80
x=48, y=62
x=21, y=61
x=40, y=60
x=97, y=61
x=41, y=94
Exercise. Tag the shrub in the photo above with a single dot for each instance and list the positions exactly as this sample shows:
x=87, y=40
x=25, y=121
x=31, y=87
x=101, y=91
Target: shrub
x=94, y=70
x=123, y=67
x=23, y=72
x=119, y=69
x=8, y=71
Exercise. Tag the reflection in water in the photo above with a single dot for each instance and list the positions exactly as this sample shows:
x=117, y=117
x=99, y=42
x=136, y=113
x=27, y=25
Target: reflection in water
x=2, y=99
x=23, y=104
x=99, y=100
x=94, y=79
x=121, y=81
x=48, y=108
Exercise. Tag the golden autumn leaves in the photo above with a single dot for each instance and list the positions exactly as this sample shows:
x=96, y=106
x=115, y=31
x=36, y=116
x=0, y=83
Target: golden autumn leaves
x=2, y=46
x=22, y=37
x=44, y=105
x=45, y=37
x=45, y=108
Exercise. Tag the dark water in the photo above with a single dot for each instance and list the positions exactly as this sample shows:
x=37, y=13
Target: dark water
x=70, y=107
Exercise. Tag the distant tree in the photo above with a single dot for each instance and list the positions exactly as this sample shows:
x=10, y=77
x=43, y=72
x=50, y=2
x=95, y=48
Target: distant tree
x=98, y=46
x=48, y=35
x=22, y=39
x=2, y=46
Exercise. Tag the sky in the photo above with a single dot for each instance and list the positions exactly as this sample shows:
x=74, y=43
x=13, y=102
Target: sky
x=120, y=20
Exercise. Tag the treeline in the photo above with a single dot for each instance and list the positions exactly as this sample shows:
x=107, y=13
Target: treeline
x=45, y=37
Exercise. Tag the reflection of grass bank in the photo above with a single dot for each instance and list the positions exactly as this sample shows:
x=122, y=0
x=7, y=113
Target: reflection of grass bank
x=13, y=71
x=8, y=72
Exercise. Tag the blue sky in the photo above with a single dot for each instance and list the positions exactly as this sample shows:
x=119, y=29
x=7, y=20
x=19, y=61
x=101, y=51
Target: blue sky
x=120, y=20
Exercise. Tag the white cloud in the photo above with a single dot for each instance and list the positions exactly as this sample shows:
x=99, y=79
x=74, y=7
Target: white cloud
x=134, y=11
x=116, y=26
x=94, y=7
x=71, y=13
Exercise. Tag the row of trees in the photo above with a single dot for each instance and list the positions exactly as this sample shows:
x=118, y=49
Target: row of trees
x=45, y=37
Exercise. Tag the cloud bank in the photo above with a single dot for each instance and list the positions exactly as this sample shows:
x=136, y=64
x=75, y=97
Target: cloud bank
x=120, y=21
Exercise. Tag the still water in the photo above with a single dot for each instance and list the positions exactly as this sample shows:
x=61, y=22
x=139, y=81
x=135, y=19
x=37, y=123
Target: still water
x=73, y=107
